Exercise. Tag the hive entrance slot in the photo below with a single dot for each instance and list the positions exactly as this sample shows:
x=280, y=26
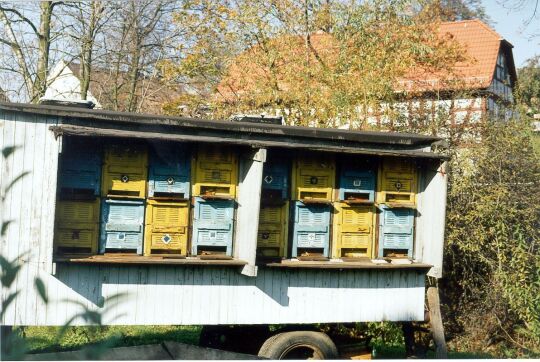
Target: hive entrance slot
x=169, y=195
x=167, y=253
x=123, y=193
x=73, y=250
x=215, y=190
x=272, y=195
x=356, y=196
x=311, y=254
x=307, y=195
x=391, y=197
x=354, y=253
x=117, y=252
x=268, y=252
x=395, y=253
x=76, y=194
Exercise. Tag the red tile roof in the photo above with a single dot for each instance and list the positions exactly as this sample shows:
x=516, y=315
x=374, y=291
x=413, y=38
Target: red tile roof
x=482, y=45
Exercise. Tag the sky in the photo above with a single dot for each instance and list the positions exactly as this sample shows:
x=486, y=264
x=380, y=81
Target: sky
x=509, y=23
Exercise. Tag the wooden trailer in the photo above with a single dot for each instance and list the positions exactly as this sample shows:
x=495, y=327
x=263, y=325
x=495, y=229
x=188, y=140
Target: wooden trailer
x=235, y=285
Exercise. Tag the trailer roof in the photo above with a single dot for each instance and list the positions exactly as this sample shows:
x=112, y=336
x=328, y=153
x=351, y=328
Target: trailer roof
x=94, y=122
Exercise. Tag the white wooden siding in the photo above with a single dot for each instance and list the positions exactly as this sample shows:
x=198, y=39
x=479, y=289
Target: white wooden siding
x=431, y=216
x=168, y=294
x=216, y=295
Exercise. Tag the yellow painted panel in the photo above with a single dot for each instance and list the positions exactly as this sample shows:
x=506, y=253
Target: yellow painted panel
x=273, y=230
x=166, y=227
x=313, y=177
x=353, y=231
x=397, y=182
x=77, y=238
x=215, y=171
x=160, y=243
x=167, y=215
x=125, y=171
x=71, y=211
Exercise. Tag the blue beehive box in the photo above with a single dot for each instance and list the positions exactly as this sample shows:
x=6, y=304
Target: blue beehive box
x=275, y=182
x=396, y=231
x=357, y=185
x=80, y=168
x=122, y=223
x=169, y=171
x=311, y=231
x=213, y=222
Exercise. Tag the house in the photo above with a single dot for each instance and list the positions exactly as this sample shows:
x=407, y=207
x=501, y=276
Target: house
x=482, y=84
x=3, y=96
x=109, y=89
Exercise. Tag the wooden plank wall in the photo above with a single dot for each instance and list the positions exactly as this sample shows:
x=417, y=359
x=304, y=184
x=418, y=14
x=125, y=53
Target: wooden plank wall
x=29, y=204
x=169, y=294
x=431, y=216
x=219, y=295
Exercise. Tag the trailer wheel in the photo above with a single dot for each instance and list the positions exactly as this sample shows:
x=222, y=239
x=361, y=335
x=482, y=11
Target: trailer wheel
x=299, y=345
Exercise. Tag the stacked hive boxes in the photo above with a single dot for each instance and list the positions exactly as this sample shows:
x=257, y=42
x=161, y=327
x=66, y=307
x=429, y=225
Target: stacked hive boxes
x=397, y=200
x=214, y=191
x=353, y=232
x=77, y=212
x=312, y=190
x=167, y=206
x=274, y=211
x=123, y=191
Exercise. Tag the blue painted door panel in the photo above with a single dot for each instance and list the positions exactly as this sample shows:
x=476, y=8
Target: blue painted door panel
x=80, y=166
x=276, y=177
x=122, y=224
x=397, y=229
x=213, y=222
x=311, y=227
x=169, y=170
x=357, y=182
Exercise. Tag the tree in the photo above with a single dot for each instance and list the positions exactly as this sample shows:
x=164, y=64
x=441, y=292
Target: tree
x=529, y=85
x=29, y=42
x=456, y=10
x=314, y=62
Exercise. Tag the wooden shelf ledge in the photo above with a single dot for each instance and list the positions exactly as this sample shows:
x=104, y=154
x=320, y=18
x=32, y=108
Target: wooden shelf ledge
x=367, y=264
x=136, y=259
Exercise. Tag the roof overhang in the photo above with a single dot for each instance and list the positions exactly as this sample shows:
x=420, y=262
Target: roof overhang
x=92, y=122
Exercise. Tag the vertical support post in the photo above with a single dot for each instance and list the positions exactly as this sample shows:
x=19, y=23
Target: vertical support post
x=435, y=322
x=247, y=216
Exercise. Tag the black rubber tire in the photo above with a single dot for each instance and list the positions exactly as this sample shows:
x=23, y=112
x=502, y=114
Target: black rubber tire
x=292, y=345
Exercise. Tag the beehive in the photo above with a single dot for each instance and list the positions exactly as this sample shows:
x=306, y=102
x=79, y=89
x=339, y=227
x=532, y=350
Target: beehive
x=122, y=224
x=352, y=230
x=398, y=182
x=396, y=231
x=213, y=222
x=166, y=227
x=216, y=171
x=313, y=177
x=272, y=233
x=80, y=168
x=275, y=181
x=357, y=185
x=125, y=171
x=311, y=230
x=77, y=225
x=169, y=171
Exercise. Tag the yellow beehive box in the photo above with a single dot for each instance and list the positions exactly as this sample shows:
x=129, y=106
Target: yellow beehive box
x=397, y=182
x=77, y=212
x=77, y=238
x=125, y=170
x=273, y=228
x=314, y=177
x=353, y=232
x=77, y=227
x=166, y=227
x=216, y=171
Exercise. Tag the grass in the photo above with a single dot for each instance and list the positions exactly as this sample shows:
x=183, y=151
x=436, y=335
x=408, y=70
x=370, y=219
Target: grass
x=45, y=339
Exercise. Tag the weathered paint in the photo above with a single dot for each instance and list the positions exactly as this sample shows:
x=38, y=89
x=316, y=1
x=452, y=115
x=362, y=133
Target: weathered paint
x=187, y=294
x=216, y=295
